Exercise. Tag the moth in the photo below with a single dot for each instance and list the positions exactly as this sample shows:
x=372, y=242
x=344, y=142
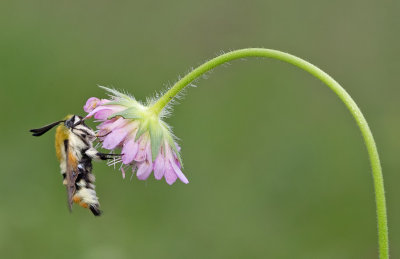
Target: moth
x=75, y=152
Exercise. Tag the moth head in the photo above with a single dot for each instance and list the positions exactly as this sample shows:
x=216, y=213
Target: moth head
x=71, y=121
x=76, y=125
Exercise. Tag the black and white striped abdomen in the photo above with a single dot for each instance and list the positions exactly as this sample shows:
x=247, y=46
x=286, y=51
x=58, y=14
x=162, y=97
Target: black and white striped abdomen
x=85, y=193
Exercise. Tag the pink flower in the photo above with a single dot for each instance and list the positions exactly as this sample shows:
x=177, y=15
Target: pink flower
x=146, y=141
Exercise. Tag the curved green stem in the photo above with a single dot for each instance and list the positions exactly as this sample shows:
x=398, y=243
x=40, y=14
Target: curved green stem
x=340, y=92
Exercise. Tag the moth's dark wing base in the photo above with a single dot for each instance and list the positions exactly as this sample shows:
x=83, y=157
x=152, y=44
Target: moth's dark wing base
x=71, y=178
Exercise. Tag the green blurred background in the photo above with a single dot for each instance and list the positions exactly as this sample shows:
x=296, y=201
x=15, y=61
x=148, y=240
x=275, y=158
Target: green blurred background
x=276, y=164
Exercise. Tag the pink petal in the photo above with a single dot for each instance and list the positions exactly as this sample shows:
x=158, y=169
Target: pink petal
x=103, y=101
x=103, y=114
x=129, y=150
x=113, y=139
x=113, y=108
x=107, y=123
x=178, y=172
x=178, y=148
x=177, y=162
x=169, y=174
x=91, y=103
x=144, y=170
x=141, y=154
x=97, y=109
x=148, y=151
x=159, y=167
x=120, y=122
x=110, y=125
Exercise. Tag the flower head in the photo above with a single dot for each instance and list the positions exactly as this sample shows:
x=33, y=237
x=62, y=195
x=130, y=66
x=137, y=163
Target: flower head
x=146, y=141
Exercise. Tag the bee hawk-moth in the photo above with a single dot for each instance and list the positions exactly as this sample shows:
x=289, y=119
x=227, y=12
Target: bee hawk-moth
x=75, y=152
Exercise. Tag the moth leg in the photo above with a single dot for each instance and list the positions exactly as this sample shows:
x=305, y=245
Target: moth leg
x=94, y=154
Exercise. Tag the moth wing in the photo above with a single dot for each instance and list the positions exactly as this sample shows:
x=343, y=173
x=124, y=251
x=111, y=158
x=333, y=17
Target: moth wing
x=71, y=176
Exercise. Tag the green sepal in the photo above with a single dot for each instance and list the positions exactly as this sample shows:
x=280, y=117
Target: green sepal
x=130, y=113
x=156, y=137
x=143, y=127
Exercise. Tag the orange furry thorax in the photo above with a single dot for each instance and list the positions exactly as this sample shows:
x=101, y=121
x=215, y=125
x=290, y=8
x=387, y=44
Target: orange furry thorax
x=62, y=134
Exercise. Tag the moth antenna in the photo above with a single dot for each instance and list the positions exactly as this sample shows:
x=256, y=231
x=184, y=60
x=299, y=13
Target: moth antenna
x=40, y=131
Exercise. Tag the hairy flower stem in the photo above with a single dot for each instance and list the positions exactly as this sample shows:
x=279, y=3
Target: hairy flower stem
x=340, y=92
